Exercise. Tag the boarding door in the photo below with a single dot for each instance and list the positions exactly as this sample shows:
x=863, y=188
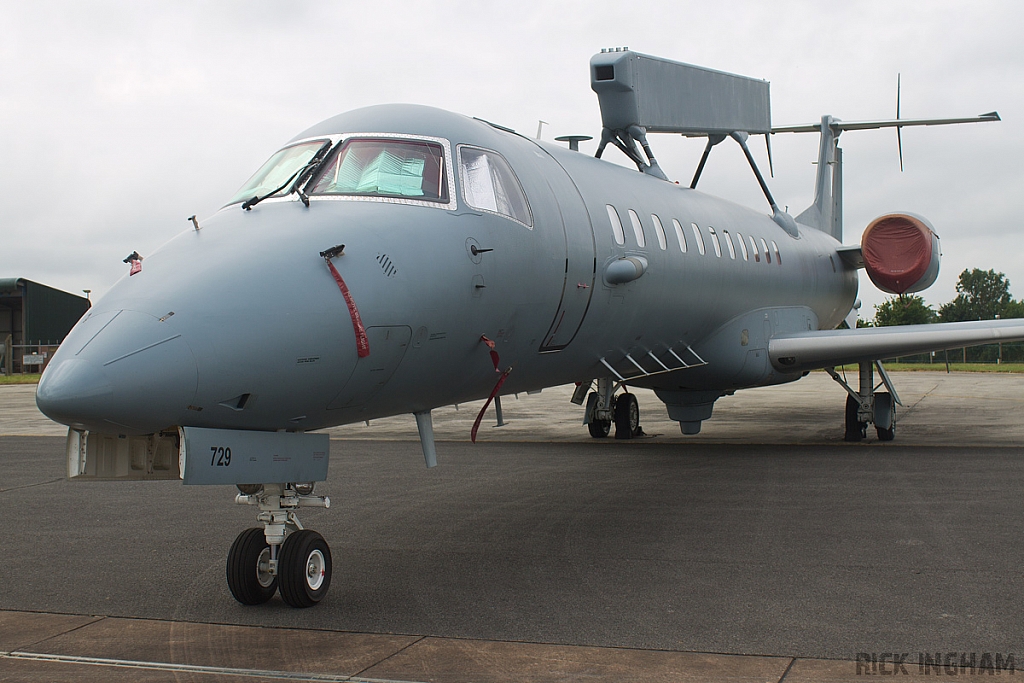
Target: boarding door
x=580, y=263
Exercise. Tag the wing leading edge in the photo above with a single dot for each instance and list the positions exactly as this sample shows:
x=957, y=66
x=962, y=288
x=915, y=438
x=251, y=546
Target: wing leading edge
x=827, y=348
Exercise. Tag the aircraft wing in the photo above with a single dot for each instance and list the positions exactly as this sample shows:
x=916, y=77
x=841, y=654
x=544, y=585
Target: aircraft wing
x=827, y=348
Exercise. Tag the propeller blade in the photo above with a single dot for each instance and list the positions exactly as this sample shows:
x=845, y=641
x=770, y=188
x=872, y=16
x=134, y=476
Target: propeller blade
x=899, y=143
x=899, y=136
x=897, y=95
x=768, y=144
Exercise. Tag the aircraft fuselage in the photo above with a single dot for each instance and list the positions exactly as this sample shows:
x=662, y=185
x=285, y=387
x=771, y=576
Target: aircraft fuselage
x=239, y=325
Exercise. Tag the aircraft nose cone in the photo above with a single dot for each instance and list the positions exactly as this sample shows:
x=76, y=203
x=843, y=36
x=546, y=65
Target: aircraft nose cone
x=72, y=389
x=122, y=372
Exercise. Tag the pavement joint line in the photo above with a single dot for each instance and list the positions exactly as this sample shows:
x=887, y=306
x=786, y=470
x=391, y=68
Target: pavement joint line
x=29, y=486
x=913, y=406
x=387, y=657
x=96, y=618
x=191, y=668
x=419, y=638
x=785, y=673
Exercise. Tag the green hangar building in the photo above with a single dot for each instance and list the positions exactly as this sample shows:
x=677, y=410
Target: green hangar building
x=34, y=319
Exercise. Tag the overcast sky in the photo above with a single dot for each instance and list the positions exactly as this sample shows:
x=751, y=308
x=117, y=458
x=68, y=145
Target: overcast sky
x=120, y=120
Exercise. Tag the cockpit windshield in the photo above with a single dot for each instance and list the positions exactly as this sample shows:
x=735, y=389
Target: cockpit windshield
x=277, y=171
x=406, y=169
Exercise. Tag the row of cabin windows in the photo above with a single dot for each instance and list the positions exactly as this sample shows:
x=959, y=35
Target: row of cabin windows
x=732, y=241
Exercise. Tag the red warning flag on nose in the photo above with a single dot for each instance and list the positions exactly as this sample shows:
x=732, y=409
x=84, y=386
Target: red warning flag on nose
x=494, y=354
x=497, y=387
x=362, y=343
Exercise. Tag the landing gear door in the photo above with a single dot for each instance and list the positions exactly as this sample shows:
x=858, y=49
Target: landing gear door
x=580, y=263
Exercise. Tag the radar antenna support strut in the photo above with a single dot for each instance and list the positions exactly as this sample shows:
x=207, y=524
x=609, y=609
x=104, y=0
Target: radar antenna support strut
x=712, y=141
x=626, y=140
x=784, y=220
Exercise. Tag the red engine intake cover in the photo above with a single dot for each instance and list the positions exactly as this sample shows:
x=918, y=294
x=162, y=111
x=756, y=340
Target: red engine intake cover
x=901, y=253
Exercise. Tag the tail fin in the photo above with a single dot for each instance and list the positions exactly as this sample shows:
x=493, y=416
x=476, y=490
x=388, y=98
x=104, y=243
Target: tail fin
x=826, y=213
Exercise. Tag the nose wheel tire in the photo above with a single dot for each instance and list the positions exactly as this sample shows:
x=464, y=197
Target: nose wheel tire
x=627, y=417
x=248, y=569
x=304, y=568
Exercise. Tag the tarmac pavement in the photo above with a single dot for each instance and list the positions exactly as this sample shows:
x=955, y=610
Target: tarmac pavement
x=765, y=548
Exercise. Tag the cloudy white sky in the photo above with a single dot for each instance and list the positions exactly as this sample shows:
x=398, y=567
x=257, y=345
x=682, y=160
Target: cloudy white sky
x=118, y=120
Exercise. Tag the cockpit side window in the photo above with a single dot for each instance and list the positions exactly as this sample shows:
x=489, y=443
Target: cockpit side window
x=404, y=169
x=489, y=184
x=278, y=171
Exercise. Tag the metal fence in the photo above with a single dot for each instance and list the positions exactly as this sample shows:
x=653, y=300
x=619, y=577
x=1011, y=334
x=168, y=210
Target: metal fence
x=22, y=359
x=1012, y=352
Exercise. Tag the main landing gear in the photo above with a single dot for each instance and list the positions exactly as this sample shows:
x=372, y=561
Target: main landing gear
x=605, y=408
x=282, y=555
x=866, y=405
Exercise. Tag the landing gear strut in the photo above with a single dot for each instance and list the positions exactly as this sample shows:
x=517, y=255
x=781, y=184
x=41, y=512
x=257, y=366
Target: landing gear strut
x=866, y=405
x=281, y=555
x=605, y=408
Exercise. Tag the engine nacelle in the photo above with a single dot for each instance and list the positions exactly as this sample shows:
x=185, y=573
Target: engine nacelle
x=901, y=253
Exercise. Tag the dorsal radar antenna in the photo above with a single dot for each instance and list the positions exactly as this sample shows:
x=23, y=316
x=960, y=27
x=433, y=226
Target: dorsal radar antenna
x=641, y=94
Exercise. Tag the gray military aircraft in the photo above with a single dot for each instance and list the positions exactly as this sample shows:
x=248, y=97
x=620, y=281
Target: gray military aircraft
x=416, y=258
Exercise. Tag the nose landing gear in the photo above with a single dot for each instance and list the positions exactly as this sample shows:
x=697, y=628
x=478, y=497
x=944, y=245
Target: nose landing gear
x=281, y=555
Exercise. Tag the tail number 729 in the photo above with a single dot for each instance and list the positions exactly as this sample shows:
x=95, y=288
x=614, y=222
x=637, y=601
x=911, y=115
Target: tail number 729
x=221, y=457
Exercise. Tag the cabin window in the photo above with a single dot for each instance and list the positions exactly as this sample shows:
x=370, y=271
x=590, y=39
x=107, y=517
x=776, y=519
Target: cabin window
x=698, y=238
x=728, y=243
x=778, y=256
x=638, y=229
x=767, y=255
x=753, y=249
x=659, y=230
x=279, y=172
x=679, y=235
x=714, y=242
x=402, y=169
x=613, y=217
x=489, y=184
x=743, y=246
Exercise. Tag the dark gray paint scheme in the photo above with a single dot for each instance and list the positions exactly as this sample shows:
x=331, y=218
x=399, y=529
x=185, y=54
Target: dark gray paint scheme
x=143, y=369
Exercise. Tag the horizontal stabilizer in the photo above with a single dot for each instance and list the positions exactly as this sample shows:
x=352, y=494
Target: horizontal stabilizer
x=827, y=348
x=851, y=255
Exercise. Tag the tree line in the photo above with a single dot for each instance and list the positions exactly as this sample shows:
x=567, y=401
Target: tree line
x=981, y=295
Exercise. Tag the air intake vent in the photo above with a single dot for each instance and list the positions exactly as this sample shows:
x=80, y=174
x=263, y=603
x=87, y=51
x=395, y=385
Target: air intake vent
x=386, y=266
